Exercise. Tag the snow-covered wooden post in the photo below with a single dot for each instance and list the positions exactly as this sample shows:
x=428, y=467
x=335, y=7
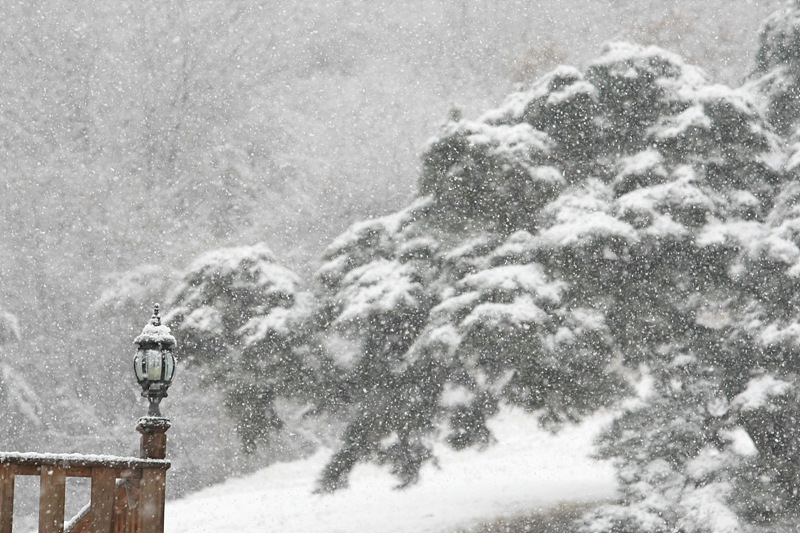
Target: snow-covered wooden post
x=154, y=482
x=154, y=437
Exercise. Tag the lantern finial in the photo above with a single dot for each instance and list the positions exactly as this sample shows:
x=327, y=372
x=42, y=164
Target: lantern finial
x=155, y=320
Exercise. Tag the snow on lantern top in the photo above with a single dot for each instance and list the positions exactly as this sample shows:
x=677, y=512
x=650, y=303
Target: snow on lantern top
x=154, y=334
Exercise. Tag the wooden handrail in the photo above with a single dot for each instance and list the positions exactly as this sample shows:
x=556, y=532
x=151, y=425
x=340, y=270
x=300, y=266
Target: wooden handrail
x=77, y=460
x=78, y=465
x=148, y=475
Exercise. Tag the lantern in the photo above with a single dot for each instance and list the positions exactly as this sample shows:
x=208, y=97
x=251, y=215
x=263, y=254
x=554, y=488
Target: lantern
x=154, y=363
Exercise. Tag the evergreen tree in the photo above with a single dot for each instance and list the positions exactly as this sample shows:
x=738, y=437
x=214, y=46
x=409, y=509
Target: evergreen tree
x=241, y=319
x=631, y=219
x=777, y=70
x=714, y=445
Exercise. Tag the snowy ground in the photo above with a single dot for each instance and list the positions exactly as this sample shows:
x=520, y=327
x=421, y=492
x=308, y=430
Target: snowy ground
x=526, y=469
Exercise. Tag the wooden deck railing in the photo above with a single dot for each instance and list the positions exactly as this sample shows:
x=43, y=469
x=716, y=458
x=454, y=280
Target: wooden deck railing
x=134, y=506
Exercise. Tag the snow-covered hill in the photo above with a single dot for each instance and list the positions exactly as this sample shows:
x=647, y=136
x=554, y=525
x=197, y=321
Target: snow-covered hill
x=527, y=468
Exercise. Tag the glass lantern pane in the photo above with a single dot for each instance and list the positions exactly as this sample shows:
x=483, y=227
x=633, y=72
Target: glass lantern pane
x=169, y=361
x=154, y=365
x=137, y=366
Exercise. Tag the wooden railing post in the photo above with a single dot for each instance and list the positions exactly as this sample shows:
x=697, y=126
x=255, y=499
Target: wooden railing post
x=102, y=503
x=6, y=497
x=53, y=484
x=154, y=482
x=154, y=437
x=152, y=500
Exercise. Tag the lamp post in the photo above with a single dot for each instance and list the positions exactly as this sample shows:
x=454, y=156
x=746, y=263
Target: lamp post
x=154, y=366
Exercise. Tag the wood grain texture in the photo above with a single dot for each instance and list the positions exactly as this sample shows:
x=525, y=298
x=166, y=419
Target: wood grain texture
x=102, y=508
x=6, y=498
x=151, y=501
x=52, y=487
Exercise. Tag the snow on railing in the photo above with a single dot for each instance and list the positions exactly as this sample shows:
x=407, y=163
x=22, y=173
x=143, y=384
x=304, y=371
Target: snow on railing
x=135, y=504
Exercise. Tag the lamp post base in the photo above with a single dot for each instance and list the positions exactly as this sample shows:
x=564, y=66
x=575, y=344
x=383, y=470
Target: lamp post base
x=154, y=437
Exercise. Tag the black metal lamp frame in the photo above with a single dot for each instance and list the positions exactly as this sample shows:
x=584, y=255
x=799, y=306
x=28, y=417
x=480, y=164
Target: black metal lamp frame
x=154, y=390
